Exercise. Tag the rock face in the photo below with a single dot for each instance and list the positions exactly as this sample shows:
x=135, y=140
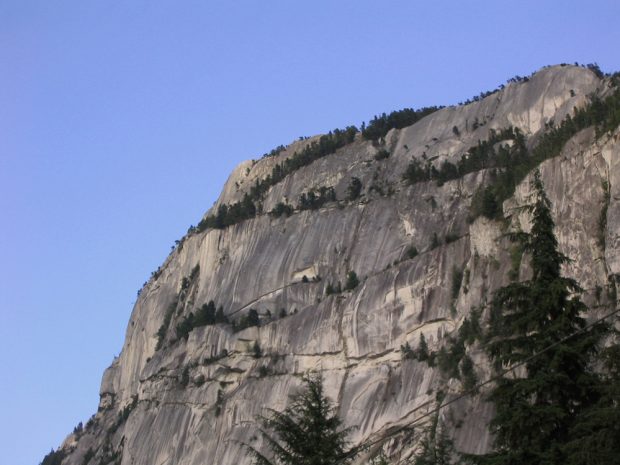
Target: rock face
x=196, y=401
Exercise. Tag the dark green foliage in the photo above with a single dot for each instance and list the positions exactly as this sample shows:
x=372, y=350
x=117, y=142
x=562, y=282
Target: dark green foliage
x=352, y=281
x=156, y=274
x=471, y=330
x=354, y=189
x=54, y=457
x=313, y=200
x=251, y=319
x=416, y=172
x=123, y=415
x=484, y=154
x=326, y=145
x=220, y=317
x=602, y=219
x=195, y=272
x=482, y=95
x=436, y=447
x=516, y=254
x=228, y=215
x=205, y=315
x=448, y=359
x=215, y=358
x=468, y=375
x=447, y=171
x=219, y=402
x=282, y=209
x=407, y=351
x=329, y=290
x=78, y=429
x=596, y=70
x=595, y=434
x=451, y=237
x=481, y=156
x=274, y=152
x=90, y=453
x=490, y=207
x=513, y=163
x=304, y=279
x=457, y=279
x=184, y=378
x=382, y=155
x=536, y=413
x=517, y=162
x=485, y=203
x=412, y=252
x=163, y=329
x=452, y=358
x=256, y=350
x=422, y=352
x=379, y=126
x=307, y=432
x=455, y=131
x=185, y=326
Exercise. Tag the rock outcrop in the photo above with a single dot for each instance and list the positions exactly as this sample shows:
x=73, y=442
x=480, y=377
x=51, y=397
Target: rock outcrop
x=195, y=401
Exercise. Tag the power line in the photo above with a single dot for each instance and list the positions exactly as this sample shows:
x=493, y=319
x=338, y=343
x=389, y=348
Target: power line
x=474, y=389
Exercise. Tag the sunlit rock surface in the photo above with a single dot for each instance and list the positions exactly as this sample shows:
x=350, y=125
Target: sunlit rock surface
x=196, y=401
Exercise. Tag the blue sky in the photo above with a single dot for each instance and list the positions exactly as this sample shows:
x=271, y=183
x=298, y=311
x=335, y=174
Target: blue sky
x=120, y=121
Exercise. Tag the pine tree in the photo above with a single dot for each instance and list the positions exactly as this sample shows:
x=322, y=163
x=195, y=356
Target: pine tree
x=436, y=448
x=352, y=281
x=422, y=352
x=54, y=457
x=595, y=434
x=536, y=410
x=307, y=432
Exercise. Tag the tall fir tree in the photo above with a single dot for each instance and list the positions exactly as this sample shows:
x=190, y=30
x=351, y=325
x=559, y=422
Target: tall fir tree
x=538, y=323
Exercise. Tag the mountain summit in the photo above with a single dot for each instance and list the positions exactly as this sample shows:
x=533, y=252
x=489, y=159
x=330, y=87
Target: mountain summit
x=360, y=254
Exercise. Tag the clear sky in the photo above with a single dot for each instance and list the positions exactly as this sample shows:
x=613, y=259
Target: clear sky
x=120, y=121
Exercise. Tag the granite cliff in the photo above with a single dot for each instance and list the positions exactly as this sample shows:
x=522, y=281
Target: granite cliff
x=188, y=394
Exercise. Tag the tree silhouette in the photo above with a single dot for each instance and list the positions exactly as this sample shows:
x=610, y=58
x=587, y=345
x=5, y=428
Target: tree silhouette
x=537, y=323
x=307, y=432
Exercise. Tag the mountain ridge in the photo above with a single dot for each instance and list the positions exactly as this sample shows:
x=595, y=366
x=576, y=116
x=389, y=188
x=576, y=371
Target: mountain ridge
x=189, y=400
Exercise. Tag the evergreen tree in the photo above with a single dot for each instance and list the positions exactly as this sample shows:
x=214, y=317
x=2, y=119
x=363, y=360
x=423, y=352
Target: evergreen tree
x=422, y=352
x=307, y=432
x=536, y=410
x=220, y=317
x=436, y=447
x=352, y=281
x=595, y=434
x=253, y=318
x=354, y=189
x=54, y=457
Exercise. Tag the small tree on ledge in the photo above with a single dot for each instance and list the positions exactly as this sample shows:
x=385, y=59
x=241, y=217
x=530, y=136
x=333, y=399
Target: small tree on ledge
x=352, y=281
